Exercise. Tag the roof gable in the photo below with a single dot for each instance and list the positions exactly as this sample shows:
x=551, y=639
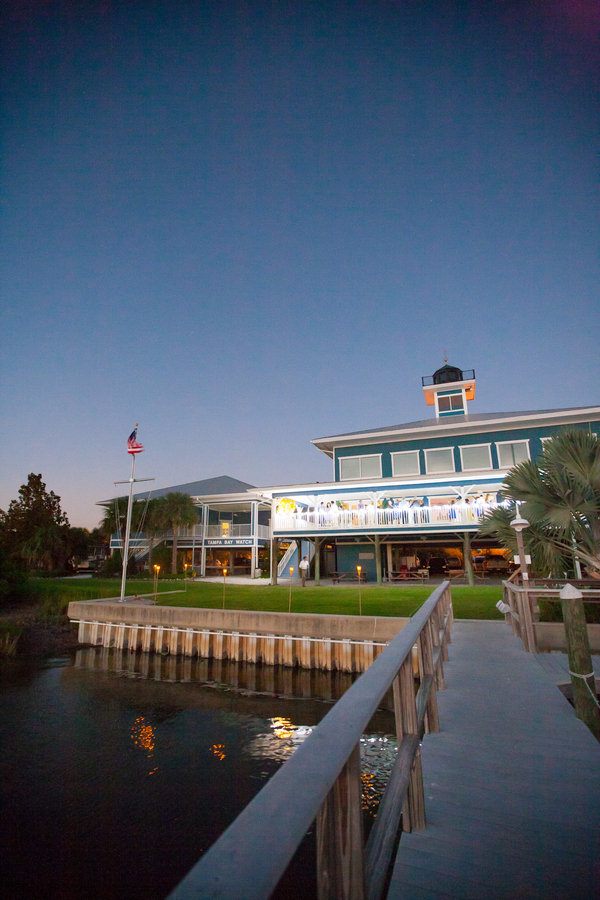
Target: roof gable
x=222, y=484
x=456, y=425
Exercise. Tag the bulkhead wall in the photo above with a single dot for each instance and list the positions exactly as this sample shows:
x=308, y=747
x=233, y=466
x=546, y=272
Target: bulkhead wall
x=343, y=643
x=380, y=629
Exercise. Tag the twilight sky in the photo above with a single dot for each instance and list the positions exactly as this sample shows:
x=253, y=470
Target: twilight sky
x=245, y=225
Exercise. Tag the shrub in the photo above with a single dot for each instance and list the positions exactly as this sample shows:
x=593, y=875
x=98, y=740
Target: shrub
x=10, y=632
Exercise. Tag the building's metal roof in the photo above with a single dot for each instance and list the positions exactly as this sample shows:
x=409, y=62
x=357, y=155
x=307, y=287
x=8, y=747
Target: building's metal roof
x=444, y=422
x=223, y=484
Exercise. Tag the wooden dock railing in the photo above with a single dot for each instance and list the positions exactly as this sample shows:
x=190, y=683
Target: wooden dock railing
x=322, y=781
x=521, y=602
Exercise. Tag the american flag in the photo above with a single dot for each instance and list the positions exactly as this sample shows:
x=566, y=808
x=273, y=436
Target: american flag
x=132, y=443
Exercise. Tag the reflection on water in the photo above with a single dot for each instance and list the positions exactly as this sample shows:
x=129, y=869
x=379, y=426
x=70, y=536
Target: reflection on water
x=118, y=771
x=282, y=681
x=377, y=756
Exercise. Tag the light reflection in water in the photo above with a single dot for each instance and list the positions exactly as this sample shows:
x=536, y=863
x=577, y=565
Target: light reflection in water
x=98, y=756
x=142, y=734
x=377, y=755
x=143, y=737
x=377, y=751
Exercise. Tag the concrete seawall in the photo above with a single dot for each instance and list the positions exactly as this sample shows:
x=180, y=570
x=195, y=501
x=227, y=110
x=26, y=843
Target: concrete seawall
x=345, y=643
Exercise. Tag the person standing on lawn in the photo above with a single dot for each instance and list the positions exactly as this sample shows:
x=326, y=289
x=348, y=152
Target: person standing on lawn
x=303, y=566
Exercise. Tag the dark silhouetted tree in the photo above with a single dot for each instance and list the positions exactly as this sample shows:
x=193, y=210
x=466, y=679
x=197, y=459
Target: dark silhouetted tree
x=35, y=529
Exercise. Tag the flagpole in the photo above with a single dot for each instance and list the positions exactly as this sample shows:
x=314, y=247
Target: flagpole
x=134, y=448
x=127, y=530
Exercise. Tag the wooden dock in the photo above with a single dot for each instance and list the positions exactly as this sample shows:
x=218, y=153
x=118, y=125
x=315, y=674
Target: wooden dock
x=512, y=782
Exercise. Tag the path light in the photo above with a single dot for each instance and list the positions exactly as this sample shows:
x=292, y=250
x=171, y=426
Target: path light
x=224, y=574
x=290, y=603
x=156, y=571
x=519, y=524
x=359, y=569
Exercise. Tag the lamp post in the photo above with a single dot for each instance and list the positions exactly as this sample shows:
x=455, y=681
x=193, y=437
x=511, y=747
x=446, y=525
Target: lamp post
x=519, y=524
x=290, y=601
x=224, y=574
x=156, y=571
x=185, y=568
x=359, y=569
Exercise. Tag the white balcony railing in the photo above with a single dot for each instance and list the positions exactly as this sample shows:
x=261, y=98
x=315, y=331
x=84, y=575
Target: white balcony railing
x=227, y=529
x=192, y=531
x=333, y=517
x=139, y=541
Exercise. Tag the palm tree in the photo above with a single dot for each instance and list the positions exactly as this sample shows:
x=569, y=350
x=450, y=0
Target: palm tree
x=560, y=497
x=176, y=511
x=152, y=525
x=115, y=517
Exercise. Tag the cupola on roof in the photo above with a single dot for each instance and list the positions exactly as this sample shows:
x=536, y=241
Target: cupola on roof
x=449, y=389
x=447, y=373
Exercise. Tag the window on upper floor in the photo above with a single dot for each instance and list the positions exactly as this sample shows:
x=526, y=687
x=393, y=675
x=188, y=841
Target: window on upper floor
x=476, y=456
x=360, y=467
x=405, y=463
x=438, y=462
x=450, y=403
x=511, y=453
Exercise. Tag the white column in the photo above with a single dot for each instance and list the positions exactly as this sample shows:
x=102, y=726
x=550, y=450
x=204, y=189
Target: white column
x=254, y=531
x=204, y=530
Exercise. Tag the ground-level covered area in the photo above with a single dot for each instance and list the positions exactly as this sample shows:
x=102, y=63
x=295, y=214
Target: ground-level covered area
x=393, y=557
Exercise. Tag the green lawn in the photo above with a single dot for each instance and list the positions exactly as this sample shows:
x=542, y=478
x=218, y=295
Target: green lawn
x=469, y=603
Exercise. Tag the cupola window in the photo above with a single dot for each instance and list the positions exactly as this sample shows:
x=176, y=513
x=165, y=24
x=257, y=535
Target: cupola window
x=453, y=403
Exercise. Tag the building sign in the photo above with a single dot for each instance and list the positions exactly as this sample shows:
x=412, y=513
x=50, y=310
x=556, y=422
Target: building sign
x=229, y=542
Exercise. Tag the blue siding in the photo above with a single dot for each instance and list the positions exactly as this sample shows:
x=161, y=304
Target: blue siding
x=348, y=560
x=533, y=435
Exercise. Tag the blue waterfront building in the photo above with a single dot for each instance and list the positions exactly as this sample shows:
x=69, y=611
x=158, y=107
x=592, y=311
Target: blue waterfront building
x=232, y=529
x=400, y=495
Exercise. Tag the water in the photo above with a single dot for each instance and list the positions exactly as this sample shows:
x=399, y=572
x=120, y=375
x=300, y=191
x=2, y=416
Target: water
x=117, y=771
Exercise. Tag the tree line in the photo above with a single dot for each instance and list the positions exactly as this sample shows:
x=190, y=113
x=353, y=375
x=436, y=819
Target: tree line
x=35, y=534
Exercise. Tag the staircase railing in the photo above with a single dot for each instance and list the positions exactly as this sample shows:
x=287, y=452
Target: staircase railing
x=285, y=559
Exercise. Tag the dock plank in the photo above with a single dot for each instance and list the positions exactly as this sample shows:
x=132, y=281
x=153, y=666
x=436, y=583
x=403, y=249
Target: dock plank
x=512, y=782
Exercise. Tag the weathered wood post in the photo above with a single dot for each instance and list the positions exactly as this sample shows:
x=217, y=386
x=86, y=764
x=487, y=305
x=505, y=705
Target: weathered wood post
x=378, y=559
x=413, y=811
x=274, y=554
x=340, y=843
x=318, y=542
x=580, y=661
x=467, y=558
